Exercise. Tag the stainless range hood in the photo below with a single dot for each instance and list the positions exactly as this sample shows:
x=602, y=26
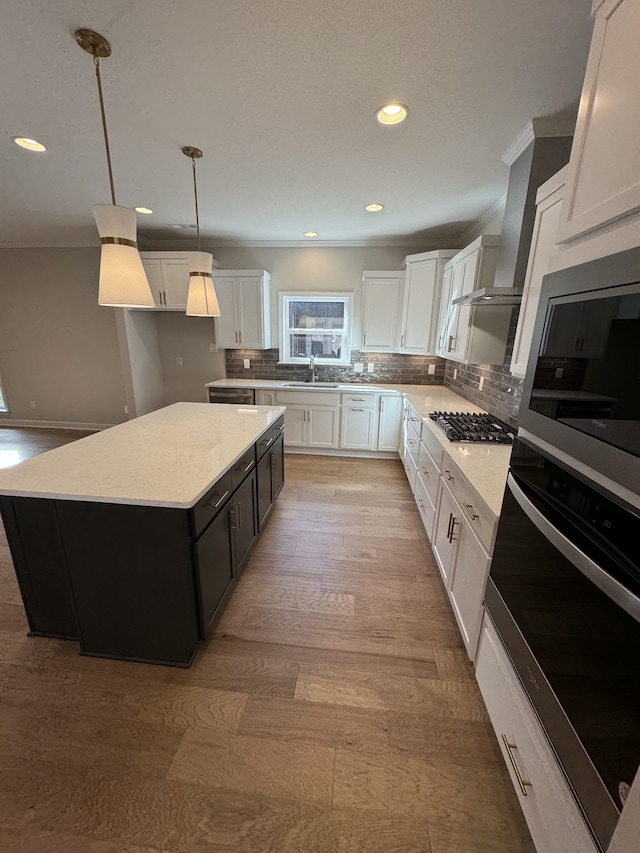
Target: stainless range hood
x=491, y=296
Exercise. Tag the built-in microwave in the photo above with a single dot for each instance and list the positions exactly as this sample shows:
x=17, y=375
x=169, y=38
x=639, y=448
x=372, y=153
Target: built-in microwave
x=581, y=394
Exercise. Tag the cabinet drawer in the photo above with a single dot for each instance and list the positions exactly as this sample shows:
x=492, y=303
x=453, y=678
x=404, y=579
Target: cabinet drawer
x=243, y=466
x=211, y=504
x=277, y=429
x=480, y=518
x=432, y=444
x=413, y=442
x=452, y=476
x=550, y=810
x=425, y=507
x=358, y=400
x=429, y=473
x=415, y=420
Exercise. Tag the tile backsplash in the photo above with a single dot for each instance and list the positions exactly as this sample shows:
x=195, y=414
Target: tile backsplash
x=389, y=368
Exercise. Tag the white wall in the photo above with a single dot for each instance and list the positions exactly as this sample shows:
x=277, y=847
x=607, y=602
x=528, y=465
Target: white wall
x=58, y=348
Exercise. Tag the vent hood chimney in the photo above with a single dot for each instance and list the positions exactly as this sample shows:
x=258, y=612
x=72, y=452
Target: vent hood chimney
x=540, y=150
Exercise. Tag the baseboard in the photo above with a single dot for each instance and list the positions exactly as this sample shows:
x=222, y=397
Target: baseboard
x=330, y=451
x=18, y=422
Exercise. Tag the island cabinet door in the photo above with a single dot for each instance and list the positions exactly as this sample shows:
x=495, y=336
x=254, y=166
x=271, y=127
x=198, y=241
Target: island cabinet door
x=265, y=489
x=244, y=521
x=277, y=468
x=215, y=569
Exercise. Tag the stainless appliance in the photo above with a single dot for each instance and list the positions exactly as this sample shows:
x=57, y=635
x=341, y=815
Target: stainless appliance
x=582, y=390
x=234, y=396
x=471, y=426
x=564, y=584
x=564, y=595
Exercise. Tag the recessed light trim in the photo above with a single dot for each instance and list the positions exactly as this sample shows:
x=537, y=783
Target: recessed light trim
x=146, y=210
x=28, y=143
x=374, y=208
x=310, y=234
x=392, y=113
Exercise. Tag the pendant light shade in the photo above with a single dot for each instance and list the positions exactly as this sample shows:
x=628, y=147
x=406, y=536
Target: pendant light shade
x=123, y=282
x=202, y=300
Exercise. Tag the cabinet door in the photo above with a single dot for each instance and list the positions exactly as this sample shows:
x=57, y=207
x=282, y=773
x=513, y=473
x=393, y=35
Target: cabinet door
x=153, y=269
x=322, y=427
x=277, y=468
x=464, y=282
x=176, y=283
x=429, y=473
x=543, y=245
x=453, y=311
x=420, y=300
x=445, y=305
x=425, y=507
x=250, y=328
x=264, y=489
x=215, y=569
x=244, y=523
x=468, y=579
x=265, y=398
x=445, y=539
x=389, y=423
x=358, y=429
x=380, y=314
x=295, y=425
x=226, y=324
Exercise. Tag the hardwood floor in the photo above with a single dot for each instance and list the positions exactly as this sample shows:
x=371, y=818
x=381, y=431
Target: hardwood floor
x=334, y=711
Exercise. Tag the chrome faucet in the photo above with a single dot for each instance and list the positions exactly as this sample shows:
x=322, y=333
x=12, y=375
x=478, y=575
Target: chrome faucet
x=312, y=368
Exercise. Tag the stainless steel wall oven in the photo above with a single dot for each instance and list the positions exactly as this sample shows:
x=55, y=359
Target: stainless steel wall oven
x=564, y=585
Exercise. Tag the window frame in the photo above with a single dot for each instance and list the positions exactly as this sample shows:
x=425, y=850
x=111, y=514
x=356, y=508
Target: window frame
x=285, y=331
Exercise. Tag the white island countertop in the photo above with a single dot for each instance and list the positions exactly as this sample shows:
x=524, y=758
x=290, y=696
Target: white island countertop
x=168, y=458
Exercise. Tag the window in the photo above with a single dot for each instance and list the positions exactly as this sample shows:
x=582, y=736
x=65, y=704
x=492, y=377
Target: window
x=3, y=401
x=315, y=326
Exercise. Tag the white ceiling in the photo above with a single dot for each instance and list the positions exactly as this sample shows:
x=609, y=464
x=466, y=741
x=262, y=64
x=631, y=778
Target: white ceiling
x=280, y=95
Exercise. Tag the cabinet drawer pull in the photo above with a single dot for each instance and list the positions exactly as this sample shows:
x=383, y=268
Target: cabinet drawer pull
x=249, y=467
x=364, y=340
x=452, y=529
x=521, y=782
x=401, y=340
x=440, y=340
x=160, y=296
x=451, y=340
x=469, y=509
x=357, y=399
x=233, y=518
x=268, y=442
x=357, y=410
x=449, y=527
x=410, y=441
x=447, y=474
x=219, y=501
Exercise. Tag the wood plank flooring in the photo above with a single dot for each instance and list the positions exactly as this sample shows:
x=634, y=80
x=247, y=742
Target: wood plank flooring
x=334, y=711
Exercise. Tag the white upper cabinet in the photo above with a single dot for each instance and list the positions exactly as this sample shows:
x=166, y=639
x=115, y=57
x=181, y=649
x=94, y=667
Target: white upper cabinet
x=168, y=277
x=245, y=315
x=381, y=301
x=421, y=303
x=543, y=246
x=603, y=182
x=470, y=333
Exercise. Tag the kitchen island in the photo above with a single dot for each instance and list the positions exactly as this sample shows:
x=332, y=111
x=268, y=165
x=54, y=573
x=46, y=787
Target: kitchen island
x=131, y=540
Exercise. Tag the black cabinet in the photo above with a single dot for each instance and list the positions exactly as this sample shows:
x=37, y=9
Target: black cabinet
x=244, y=523
x=270, y=471
x=214, y=561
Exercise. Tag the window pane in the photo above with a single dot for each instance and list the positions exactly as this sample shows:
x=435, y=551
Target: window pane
x=316, y=315
x=319, y=346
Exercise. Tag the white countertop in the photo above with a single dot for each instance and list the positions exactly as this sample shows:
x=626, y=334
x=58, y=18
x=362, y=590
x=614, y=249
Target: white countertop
x=167, y=458
x=484, y=466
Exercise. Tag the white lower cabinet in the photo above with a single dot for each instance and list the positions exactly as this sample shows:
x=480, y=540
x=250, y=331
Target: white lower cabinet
x=389, y=422
x=310, y=426
x=445, y=539
x=265, y=398
x=426, y=507
x=358, y=429
x=467, y=582
x=553, y=818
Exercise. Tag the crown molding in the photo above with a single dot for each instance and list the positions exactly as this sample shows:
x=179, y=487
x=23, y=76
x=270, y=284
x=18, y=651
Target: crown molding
x=536, y=129
x=476, y=229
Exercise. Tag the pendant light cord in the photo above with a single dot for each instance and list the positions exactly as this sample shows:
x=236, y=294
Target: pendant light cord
x=195, y=192
x=96, y=60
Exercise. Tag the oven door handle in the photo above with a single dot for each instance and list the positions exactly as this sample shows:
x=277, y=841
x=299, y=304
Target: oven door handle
x=622, y=596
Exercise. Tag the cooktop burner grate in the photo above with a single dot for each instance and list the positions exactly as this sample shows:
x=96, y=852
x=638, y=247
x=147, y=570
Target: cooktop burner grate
x=468, y=426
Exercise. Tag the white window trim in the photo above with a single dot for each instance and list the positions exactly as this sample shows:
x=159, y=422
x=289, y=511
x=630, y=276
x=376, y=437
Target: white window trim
x=3, y=396
x=312, y=296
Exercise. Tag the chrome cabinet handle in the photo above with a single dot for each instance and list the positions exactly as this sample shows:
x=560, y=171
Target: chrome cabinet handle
x=268, y=442
x=451, y=340
x=425, y=472
x=469, y=509
x=160, y=296
x=447, y=474
x=401, y=340
x=449, y=527
x=452, y=530
x=357, y=410
x=249, y=467
x=364, y=339
x=219, y=501
x=440, y=340
x=233, y=518
x=509, y=747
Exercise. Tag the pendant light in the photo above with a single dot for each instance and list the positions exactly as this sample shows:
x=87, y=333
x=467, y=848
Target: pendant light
x=123, y=281
x=202, y=300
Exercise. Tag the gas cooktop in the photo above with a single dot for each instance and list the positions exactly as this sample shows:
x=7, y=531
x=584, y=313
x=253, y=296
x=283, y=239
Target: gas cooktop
x=468, y=426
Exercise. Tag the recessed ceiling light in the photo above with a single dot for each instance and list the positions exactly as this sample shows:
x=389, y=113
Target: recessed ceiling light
x=29, y=144
x=143, y=209
x=392, y=113
x=374, y=208
x=310, y=233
